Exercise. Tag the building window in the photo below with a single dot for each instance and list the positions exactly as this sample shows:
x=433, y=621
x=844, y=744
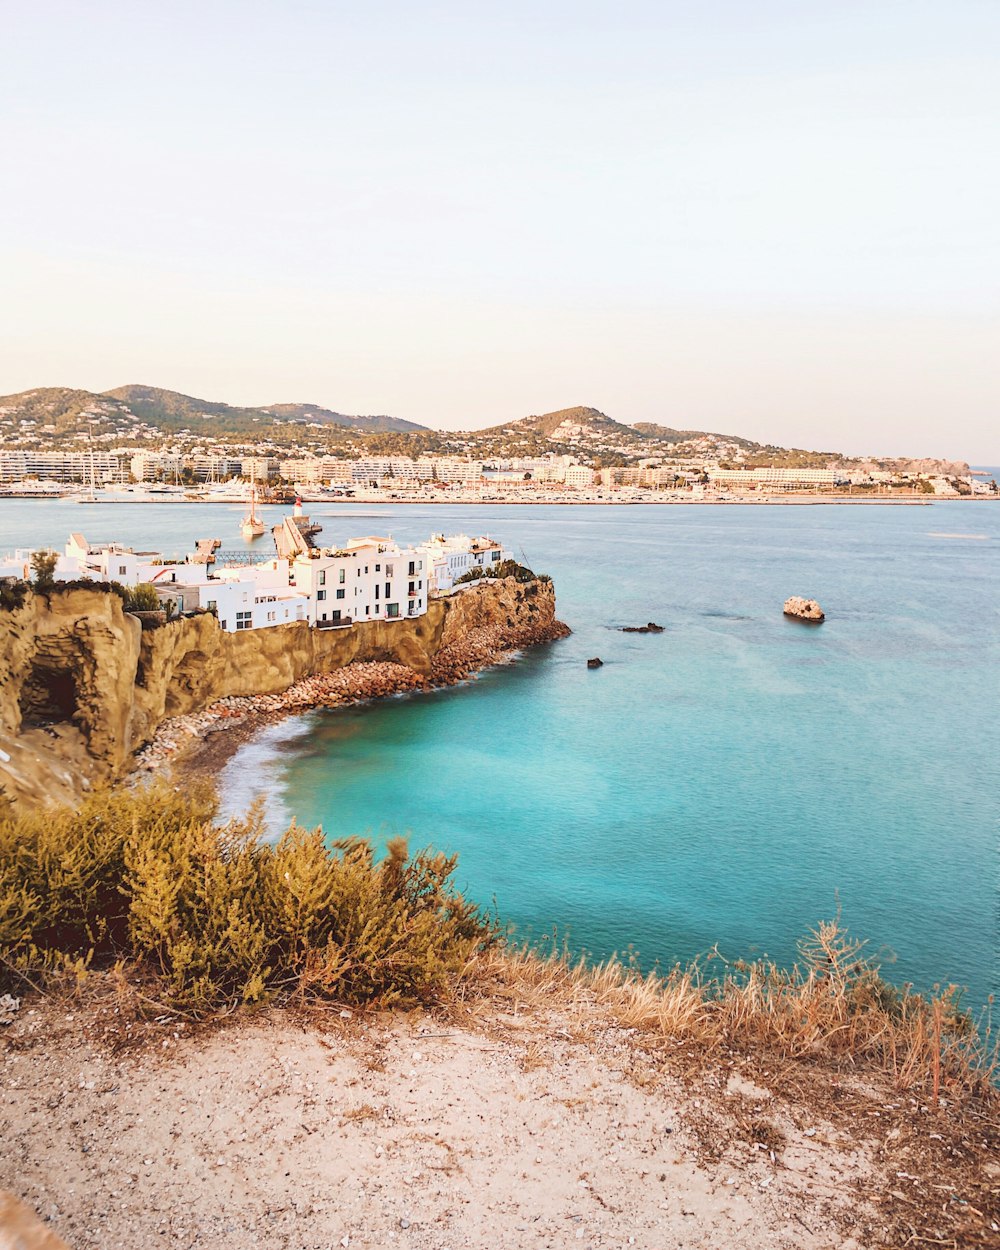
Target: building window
x=388, y=590
x=342, y=576
x=378, y=568
x=412, y=568
x=495, y=555
x=322, y=577
x=388, y=570
x=212, y=606
x=243, y=620
x=340, y=594
x=336, y=614
x=320, y=594
x=271, y=616
x=121, y=570
x=376, y=590
x=392, y=609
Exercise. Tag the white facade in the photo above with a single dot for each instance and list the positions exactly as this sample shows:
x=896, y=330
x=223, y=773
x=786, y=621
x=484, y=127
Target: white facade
x=449, y=558
x=369, y=579
x=779, y=478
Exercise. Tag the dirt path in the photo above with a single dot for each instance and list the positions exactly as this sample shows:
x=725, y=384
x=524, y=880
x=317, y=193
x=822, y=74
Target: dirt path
x=405, y=1130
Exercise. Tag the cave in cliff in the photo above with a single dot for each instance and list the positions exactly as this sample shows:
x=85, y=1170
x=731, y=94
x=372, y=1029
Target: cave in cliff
x=49, y=693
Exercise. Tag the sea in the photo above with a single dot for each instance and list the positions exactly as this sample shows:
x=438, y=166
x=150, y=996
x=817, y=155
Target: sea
x=725, y=784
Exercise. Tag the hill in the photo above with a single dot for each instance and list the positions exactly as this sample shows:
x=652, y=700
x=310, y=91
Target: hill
x=566, y=422
x=172, y=410
x=666, y=434
x=55, y=413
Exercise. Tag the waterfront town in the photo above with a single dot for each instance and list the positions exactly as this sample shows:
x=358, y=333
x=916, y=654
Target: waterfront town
x=143, y=444
x=369, y=578
x=155, y=477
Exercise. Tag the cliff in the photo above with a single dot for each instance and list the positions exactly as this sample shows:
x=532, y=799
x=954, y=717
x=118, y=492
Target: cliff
x=83, y=686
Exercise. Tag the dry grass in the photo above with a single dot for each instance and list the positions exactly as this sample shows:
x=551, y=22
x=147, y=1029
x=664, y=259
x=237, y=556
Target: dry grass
x=204, y=917
x=832, y=1005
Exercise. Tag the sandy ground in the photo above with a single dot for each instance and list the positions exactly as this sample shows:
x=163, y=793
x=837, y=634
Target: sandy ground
x=481, y=1128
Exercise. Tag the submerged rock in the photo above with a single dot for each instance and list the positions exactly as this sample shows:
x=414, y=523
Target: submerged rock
x=650, y=627
x=804, y=609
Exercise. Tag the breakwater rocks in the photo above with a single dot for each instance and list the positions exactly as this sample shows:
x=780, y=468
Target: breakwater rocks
x=804, y=609
x=83, y=687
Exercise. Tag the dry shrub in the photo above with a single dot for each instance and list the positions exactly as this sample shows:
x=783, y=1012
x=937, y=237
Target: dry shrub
x=833, y=1004
x=220, y=917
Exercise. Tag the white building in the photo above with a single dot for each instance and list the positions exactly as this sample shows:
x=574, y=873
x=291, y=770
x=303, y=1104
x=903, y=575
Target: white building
x=450, y=558
x=775, y=479
x=369, y=579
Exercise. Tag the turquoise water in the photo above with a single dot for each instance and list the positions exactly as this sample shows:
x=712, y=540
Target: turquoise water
x=730, y=781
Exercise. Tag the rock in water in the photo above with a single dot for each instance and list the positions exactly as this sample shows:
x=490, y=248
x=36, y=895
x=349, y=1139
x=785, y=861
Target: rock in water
x=804, y=609
x=596, y=662
x=650, y=628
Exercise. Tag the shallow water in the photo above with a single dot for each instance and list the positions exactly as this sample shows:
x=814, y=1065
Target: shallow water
x=729, y=781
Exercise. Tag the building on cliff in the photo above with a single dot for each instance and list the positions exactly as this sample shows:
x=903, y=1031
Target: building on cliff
x=447, y=559
x=371, y=578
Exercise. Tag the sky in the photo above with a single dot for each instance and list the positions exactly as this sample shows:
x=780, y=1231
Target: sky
x=776, y=219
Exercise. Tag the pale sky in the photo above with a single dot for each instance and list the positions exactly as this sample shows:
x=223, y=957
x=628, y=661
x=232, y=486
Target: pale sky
x=778, y=219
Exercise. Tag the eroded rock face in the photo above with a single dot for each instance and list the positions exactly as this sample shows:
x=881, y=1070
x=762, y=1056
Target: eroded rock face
x=804, y=609
x=69, y=659
x=82, y=686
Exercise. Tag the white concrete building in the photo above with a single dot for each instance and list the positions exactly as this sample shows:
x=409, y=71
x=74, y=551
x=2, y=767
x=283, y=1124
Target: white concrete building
x=775, y=479
x=449, y=558
x=368, y=579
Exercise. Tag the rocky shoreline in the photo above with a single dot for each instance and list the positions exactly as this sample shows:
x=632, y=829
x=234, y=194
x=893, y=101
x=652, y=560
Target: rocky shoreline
x=201, y=742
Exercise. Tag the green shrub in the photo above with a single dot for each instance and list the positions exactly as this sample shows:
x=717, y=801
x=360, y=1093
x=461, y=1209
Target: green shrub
x=141, y=598
x=12, y=595
x=43, y=566
x=216, y=915
x=504, y=568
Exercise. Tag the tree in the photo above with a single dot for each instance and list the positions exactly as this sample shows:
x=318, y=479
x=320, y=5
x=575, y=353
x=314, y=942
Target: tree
x=43, y=566
x=142, y=598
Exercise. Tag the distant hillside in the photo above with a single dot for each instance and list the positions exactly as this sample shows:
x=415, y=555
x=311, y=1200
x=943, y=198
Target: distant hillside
x=582, y=419
x=172, y=410
x=591, y=423
x=665, y=434
x=57, y=412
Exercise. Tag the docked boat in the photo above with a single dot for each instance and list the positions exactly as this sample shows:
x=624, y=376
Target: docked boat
x=252, y=526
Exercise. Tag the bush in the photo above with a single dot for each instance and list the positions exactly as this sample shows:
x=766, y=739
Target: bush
x=12, y=595
x=43, y=566
x=141, y=598
x=219, y=917
x=505, y=568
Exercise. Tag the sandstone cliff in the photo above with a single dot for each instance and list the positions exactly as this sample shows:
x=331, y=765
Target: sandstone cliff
x=83, y=686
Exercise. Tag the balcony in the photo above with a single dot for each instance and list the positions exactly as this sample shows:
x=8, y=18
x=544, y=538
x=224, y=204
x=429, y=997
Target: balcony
x=343, y=623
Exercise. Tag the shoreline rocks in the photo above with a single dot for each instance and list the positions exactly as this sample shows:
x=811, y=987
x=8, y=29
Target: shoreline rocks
x=804, y=609
x=359, y=682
